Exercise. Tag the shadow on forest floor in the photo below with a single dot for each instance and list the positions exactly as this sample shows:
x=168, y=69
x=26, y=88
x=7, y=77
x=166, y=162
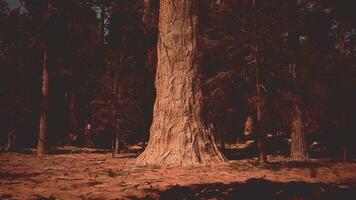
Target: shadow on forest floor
x=252, y=151
x=78, y=150
x=256, y=189
x=13, y=176
x=65, y=150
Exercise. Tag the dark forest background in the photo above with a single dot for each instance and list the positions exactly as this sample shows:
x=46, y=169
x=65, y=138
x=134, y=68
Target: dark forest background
x=102, y=60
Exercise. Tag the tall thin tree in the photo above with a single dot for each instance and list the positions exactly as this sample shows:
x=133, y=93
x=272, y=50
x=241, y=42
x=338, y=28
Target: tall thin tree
x=42, y=147
x=299, y=150
x=260, y=124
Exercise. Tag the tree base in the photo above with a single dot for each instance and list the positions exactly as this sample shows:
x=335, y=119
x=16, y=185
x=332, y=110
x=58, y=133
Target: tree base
x=200, y=150
x=149, y=157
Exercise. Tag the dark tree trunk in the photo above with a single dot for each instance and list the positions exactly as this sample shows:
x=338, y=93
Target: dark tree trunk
x=73, y=124
x=261, y=101
x=345, y=135
x=260, y=125
x=102, y=22
x=42, y=147
x=115, y=121
x=222, y=140
x=10, y=141
x=343, y=125
x=150, y=14
x=178, y=135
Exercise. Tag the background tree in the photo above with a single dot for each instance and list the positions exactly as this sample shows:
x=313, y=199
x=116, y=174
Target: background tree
x=299, y=150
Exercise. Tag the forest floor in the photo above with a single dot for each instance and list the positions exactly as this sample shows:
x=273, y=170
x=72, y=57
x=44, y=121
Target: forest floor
x=95, y=175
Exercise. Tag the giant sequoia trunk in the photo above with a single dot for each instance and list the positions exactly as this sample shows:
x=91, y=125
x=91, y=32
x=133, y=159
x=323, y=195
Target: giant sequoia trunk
x=42, y=146
x=178, y=135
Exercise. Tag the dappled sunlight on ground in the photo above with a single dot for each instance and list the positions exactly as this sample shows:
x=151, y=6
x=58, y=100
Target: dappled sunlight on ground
x=98, y=176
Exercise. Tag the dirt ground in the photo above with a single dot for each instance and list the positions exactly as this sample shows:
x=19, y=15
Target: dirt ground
x=85, y=175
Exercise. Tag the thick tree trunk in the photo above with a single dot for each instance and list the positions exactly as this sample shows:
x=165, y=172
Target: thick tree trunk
x=299, y=151
x=42, y=147
x=178, y=135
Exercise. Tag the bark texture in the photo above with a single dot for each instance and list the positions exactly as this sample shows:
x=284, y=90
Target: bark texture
x=42, y=146
x=178, y=135
x=299, y=150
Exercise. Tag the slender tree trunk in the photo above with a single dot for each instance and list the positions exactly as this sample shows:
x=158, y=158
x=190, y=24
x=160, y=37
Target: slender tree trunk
x=222, y=140
x=260, y=119
x=102, y=22
x=73, y=114
x=178, y=135
x=341, y=39
x=10, y=141
x=42, y=147
x=343, y=118
x=260, y=104
x=116, y=132
x=73, y=124
x=299, y=151
x=117, y=143
x=117, y=124
x=344, y=137
x=149, y=14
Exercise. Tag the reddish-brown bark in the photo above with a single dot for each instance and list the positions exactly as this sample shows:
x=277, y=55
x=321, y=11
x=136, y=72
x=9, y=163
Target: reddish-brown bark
x=178, y=135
